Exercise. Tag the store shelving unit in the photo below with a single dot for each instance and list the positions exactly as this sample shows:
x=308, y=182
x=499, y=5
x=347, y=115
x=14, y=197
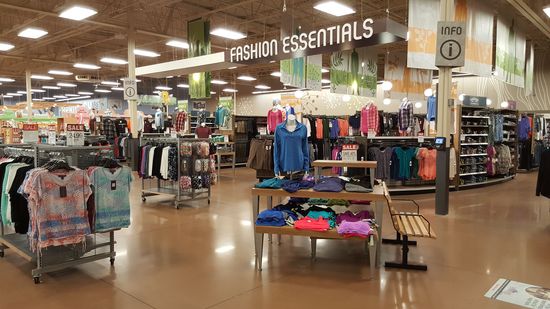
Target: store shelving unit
x=474, y=129
x=511, y=120
x=377, y=196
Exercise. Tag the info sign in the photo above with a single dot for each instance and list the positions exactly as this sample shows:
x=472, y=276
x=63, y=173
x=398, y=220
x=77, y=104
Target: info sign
x=451, y=44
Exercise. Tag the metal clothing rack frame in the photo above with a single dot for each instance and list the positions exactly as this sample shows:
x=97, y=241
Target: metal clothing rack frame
x=166, y=187
x=56, y=258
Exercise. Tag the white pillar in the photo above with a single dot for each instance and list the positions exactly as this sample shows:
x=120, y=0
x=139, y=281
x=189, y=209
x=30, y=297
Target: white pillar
x=29, y=94
x=132, y=104
x=445, y=82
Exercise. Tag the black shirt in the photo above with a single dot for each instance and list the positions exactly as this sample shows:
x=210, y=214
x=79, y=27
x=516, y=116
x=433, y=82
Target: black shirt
x=543, y=181
x=121, y=125
x=19, y=204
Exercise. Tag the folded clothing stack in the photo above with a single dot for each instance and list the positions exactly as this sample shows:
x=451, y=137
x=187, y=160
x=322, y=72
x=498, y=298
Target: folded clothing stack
x=319, y=224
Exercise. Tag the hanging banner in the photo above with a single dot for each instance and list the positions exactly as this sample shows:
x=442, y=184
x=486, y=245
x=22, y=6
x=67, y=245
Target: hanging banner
x=406, y=82
x=198, y=36
x=293, y=72
x=479, y=35
x=530, y=70
x=354, y=72
x=510, y=53
x=314, y=75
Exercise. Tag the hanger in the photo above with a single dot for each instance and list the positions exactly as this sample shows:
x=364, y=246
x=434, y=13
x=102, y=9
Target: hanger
x=53, y=165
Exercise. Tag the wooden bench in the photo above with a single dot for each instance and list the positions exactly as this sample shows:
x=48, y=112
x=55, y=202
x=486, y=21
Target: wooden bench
x=407, y=224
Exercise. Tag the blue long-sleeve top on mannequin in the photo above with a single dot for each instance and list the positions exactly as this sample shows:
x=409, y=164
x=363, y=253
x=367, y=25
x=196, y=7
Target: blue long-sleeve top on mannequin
x=291, y=150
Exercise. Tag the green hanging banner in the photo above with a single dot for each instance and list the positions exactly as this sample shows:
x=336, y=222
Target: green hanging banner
x=198, y=35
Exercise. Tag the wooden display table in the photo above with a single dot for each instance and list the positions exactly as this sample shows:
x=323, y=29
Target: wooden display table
x=220, y=154
x=373, y=243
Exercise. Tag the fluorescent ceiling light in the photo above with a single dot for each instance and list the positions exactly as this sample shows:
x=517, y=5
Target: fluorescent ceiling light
x=51, y=87
x=110, y=83
x=7, y=96
x=323, y=70
x=137, y=80
x=183, y=86
x=59, y=96
x=41, y=77
x=145, y=53
x=547, y=11
x=6, y=46
x=48, y=98
x=113, y=60
x=86, y=66
x=177, y=43
x=262, y=87
x=218, y=82
x=228, y=34
x=6, y=80
x=68, y=85
x=212, y=92
x=36, y=99
x=279, y=91
x=232, y=68
x=38, y=90
x=14, y=94
x=77, y=13
x=230, y=90
x=85, y=93
x=334, y=8
x=32, y=33
x=117, y=89
x=164, y=88
x=102, y=90
x=246, y=78
x=325, y=81
x=73, y=99
x=170, y=76
x=59, y=72
x=23, y=92
x=276, y=74
x=72, y=95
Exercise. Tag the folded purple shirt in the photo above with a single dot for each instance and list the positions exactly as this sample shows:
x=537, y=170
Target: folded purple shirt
x=351, y=217
x=356, y=228
x=329, y=184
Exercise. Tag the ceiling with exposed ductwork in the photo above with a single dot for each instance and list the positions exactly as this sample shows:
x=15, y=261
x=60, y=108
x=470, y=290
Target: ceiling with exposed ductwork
x=158, y=21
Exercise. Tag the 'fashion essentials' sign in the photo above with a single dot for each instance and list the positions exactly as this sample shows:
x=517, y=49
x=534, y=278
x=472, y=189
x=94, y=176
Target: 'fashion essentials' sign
x=340, y=37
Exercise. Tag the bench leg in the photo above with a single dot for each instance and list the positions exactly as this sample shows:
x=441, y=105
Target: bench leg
x=397, y=241
x=405, y=259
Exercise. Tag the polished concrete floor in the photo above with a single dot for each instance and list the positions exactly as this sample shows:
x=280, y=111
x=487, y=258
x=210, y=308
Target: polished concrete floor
x=203, y=257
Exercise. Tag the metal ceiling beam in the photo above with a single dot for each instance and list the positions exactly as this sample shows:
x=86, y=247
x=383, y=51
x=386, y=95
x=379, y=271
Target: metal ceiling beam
x=533, y=17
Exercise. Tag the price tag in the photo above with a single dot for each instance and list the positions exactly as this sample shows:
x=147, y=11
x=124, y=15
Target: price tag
x=52, y=137
x=421, y=139
x=75, y=135
x=371, y=134
x=462, y=138
x=30, y=133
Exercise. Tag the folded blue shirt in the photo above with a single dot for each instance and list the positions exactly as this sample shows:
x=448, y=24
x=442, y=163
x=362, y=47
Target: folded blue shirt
x=329, y=184
x=273, y=183
x=271, y=218
x=295, y=185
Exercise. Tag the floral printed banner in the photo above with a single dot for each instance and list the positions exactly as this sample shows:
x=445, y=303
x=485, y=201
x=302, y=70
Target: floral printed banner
x=354, y=72
x=407, y=82
x=510, y=53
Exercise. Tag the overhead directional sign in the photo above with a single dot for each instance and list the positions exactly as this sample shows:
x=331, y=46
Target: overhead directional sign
x=130, y=89
x=451, y=44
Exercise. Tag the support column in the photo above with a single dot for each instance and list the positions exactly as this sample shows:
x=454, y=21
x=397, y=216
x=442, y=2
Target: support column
x=132, y=104
x=444, y=122
x=29, y=94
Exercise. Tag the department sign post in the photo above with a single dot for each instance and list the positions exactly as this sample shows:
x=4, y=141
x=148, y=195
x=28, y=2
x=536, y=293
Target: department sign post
x=451, y=44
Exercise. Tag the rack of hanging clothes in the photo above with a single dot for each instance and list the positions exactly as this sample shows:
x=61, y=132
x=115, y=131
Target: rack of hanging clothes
x=260, y=157
x=34, y=199
x=404, y=161
x=324, y=130
x=183, y=168
x=349, y=148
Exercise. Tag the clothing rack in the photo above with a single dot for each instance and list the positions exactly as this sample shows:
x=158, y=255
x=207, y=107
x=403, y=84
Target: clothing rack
x=167, y=187
x=60, y=257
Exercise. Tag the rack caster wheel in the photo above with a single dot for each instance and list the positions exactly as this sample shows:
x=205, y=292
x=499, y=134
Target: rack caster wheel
x=143, y=199
x=1, y=254
x=112, y=261
x=36, y=280
x=208, y=202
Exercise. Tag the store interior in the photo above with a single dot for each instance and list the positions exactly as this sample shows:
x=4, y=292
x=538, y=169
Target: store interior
x=231, y=154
